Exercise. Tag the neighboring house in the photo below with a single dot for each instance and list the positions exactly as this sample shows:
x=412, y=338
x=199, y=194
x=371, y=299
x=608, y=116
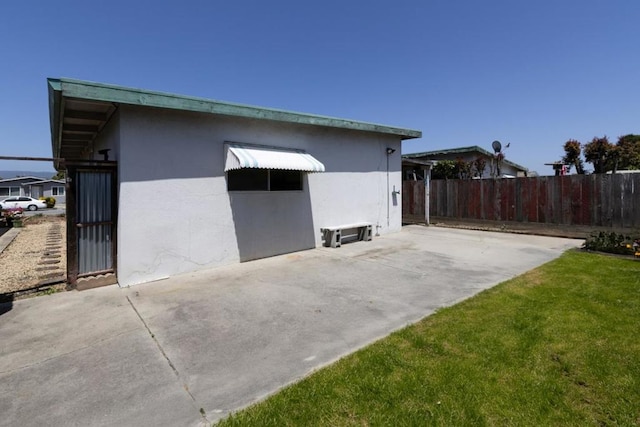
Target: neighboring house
x=162, y=184
x=469, y=154
x=31, y=186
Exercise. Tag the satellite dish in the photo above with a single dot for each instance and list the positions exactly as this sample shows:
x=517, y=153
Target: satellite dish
x=496, y=146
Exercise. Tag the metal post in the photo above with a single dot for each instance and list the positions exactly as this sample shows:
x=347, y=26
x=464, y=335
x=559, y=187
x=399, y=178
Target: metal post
x=427, y=187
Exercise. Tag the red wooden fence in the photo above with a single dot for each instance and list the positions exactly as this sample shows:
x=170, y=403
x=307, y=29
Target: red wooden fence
x=413, y=201
x=588, y=200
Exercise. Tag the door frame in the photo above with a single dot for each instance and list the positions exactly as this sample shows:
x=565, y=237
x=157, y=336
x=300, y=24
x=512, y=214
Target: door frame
x=73, y=266
x=36, y=186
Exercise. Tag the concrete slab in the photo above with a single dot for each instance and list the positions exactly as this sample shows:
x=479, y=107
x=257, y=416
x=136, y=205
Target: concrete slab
x=225, y=338
x=85, y=359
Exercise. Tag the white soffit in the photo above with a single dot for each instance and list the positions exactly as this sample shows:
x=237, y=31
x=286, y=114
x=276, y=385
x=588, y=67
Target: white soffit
x=241, y=156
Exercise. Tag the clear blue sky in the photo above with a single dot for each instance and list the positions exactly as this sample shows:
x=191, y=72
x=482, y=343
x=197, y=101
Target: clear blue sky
x=463, y=72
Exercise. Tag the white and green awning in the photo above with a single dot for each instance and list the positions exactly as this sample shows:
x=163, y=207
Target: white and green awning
x=241, y=156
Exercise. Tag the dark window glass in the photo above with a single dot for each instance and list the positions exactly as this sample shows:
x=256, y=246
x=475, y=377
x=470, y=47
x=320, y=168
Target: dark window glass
x=284, y=180
x=248, y=180
x=264, y=180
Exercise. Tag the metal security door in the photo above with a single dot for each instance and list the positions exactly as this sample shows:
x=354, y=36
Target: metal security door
x=92, y=221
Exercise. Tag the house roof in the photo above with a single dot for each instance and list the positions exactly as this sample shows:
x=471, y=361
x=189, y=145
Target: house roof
x=78, y=110
x=22, y=178
x=32, y=179
x=57, y=181
x=461, y=150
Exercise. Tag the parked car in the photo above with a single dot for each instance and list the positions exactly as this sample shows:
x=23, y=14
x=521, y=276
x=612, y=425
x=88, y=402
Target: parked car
x=28, y=203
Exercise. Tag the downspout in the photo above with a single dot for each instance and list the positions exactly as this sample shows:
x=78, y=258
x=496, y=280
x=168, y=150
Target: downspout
x=388, y=209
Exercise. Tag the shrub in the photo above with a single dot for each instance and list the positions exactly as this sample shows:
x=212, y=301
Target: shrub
x=611, y=242
x=50, y=201
x=10, y=215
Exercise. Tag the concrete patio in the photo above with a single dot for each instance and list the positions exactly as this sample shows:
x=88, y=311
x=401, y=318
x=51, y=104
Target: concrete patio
x=190, y=349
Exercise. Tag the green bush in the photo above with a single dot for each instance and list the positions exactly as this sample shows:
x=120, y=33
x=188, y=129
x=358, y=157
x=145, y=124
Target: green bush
x=611, y=242
x=50, y=201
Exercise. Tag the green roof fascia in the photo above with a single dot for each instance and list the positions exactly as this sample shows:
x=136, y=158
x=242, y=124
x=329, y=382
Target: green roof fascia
x=461, y=150
x=110, y=93
x=55, y=116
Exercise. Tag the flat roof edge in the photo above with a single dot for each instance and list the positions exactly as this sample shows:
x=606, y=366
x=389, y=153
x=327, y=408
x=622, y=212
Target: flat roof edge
x=111, y=93
x=54, y=89
x=459, y=150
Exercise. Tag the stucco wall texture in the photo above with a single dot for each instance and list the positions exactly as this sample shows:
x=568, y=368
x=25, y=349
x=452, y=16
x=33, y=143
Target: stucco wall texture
x=175, y=214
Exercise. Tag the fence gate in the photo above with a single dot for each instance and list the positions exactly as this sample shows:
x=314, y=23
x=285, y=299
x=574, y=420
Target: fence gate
x=91, y=221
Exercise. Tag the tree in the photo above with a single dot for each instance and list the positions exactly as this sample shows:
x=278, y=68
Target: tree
x=573, y=150
x=463, y=169
x=479, y=166
x=59, y=175
x=602, y=155
x=629, y=151
x=444, y=169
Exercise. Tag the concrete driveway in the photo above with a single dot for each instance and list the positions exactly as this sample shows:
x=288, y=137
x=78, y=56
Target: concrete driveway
x=190, y=349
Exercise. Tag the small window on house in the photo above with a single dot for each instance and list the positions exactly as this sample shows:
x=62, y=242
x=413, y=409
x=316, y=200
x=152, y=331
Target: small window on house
x=284, y=180
x=57, y=191
x=264, y=180
x=9, y=191
x=261, y=168
x=248, y=180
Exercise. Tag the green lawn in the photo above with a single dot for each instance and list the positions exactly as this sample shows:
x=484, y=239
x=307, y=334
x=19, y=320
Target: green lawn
x=559, y=345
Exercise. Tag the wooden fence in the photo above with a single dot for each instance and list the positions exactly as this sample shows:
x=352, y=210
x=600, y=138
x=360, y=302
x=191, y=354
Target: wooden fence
x=601, y=200
x=413, y=201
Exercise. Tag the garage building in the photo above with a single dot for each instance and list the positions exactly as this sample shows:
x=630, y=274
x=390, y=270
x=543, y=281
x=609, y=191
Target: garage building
x=161, y=184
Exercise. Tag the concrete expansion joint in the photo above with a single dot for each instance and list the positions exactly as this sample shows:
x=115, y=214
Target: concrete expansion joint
x=75, y=350
x=185, y=386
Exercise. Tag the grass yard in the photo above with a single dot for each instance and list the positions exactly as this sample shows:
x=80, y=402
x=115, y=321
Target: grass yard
x=559, y=345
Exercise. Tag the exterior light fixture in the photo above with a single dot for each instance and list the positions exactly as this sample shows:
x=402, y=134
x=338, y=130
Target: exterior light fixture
x=105, y=153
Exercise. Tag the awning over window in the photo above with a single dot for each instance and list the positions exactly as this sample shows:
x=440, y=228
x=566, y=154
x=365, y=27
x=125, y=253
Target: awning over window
x=252, y=156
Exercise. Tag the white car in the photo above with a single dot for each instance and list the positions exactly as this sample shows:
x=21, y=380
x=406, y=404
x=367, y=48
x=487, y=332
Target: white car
x=28, y=203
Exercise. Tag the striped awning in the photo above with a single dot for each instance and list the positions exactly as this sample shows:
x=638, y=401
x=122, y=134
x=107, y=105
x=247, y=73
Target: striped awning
x=241, y=156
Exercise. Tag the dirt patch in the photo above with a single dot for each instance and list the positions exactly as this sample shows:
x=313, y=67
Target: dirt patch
x=540, y=229
x=21, y=261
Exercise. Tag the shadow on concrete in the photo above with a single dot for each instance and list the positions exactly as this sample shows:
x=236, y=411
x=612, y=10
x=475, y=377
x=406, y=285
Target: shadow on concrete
x=272, y=222
x=6, y=303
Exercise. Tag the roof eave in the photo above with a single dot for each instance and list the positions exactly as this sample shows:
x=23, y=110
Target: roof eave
x=18, y=178
x=55, y=116
x=109, y=93
x=472, y=148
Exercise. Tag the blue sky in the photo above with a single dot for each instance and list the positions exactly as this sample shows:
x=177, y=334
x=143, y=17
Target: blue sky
x=534, y=74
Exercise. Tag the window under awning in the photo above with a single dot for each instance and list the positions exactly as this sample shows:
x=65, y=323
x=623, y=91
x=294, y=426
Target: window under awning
x=241, y=156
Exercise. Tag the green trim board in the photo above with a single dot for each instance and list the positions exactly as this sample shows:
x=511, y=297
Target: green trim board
x=60, y=89
x=432, y=155
x=55, y=120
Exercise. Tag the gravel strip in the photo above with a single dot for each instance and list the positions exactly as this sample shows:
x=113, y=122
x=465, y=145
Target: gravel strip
x=20, y=261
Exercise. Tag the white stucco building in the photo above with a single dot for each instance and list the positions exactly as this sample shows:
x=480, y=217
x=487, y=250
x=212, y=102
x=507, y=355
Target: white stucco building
x=190, y=183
